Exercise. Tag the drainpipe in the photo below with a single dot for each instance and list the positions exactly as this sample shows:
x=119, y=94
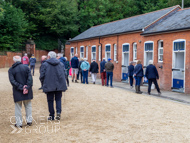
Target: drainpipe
x=182, y=4
x=101, y=48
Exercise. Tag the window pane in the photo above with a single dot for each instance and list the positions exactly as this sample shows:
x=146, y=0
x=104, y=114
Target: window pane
x=93, y=49
x=125, y=48
x=148, y=46
x=179, y=45
x=161, y=44
x=161, y=51
x=81, y=49
x=108, y=48
x=72, y=50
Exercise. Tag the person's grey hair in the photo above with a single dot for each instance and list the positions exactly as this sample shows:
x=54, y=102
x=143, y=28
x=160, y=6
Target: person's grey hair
x=25, y=54
x=104, y=58
x=60, y=55
x=17, y=59
x=52, y=54
x=65, y=58
x=85, y=59
x=131, y=62
x=150, y=62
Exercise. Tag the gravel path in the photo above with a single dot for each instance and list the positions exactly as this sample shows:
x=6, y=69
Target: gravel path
x=93, y=114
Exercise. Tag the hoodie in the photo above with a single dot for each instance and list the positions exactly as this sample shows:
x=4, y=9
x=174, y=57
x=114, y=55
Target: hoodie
x=74, y=62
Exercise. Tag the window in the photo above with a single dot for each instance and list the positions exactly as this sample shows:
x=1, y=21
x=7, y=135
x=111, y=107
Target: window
x=160, y=51
x=93, y=54
x=72, y=52
x=134, y=51
x=115, y=52
x=108, y=51
x=100, y=53
x=148, y=52
x=87, y=52
x=178, y=46
x=148, y=46
x=76, y=50
x=81, y=52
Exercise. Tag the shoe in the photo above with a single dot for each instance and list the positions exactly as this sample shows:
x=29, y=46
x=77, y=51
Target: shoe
x=136, y=89
x=58, y=117
x=29, y=124
x=159, y=93
x=148, y=93
x=72, y=80
x=40, y=88
x=76, y=81
x=139, y=91
x=111, y=86
x=18, y=126
x=50, y=118
x=93, y=82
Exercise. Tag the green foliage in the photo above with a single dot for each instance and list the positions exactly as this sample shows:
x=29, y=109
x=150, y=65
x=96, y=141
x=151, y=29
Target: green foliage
x=46, y=42
x=13, y=27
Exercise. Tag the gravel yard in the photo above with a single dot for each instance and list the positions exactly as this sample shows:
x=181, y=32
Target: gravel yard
x=92, y=114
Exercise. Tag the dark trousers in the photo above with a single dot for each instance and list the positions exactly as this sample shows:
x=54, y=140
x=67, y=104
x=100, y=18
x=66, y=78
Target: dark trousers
x=81, y=77
x=85, y=76
x=50, y=98
x=78, y=76
x=131, y=80
x=67, y=78
x=104, y=78
x=109, y=76
x=150, y=84
x=32, y=67
x=138, y=80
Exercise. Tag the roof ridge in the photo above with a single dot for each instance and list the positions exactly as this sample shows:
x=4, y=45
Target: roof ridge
x=137, y=15
x=184, y=9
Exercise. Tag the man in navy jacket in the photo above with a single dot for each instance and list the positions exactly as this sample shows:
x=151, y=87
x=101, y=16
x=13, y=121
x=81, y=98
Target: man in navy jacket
x=74, y=65
x=130, y=73
x=152, y=76
x=103, y=72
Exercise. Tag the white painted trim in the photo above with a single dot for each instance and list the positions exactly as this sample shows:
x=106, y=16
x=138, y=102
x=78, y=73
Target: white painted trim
x=81, y=52
x=179, y=40
x=145, y=52
x=134, y=60
x=159, y=51
x=93, y=52
x=71, y=53
x=107, y=52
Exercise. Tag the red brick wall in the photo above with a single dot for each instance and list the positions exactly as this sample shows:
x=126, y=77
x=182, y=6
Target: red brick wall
x=165, y=80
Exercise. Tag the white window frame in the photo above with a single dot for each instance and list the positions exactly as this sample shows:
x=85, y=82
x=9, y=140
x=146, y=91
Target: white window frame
x=81, y=52
x=115, y=52
x=87, y=52
x=71, y=54
x=107, y=52
x=160, y=48
x=100, y=52
x=125, y=52
x=76, y=49
x=93, y=53
x=148, y=51
x=134, y=51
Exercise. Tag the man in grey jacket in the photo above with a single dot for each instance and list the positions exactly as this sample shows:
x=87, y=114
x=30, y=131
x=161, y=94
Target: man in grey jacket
x=52, y=75
x=109, y=67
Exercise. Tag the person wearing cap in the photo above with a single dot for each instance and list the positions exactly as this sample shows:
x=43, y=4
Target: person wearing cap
x=130, y=73
x=85, y=67
x=109, y=67
x=25, y=60
x=152, y=76
x=21, y=80
x=74, y=65
x=80, y=70
x=103, y=72
x=94, y=70
x=32, y=63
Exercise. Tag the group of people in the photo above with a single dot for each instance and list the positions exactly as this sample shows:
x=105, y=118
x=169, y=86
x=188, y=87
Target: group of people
x=137, y=73
x=53, y=80
x=82, y=68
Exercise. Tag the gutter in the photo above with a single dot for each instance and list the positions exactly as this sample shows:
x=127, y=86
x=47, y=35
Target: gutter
x=166, y=31
x=135, y=31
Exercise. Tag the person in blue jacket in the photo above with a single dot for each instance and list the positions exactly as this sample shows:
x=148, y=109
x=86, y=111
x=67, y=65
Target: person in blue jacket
x=152, y=76
x=138, y=73
x=74, y=65
x=85, y=67
x=32, y=63
x=130, y=73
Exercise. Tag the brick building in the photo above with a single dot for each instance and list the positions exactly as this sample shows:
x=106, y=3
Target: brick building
x=163, y=36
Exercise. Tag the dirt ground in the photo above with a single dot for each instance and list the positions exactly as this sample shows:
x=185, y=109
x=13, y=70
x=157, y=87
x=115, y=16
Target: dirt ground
x=93, y=114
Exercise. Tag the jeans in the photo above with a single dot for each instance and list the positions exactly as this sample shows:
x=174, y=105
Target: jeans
x=104, y=78
x=18, y=112
x=138, y=80
x=81, y=77
x=109, y=75
x=32, y=67
x=85, y=76
x=150, y=84
x=50, y=99
x=131, y=80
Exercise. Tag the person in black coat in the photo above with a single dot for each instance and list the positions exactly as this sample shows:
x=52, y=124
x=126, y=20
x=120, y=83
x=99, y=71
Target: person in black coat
x=53, y=78
x=130, y=73
x=21, y=79
x=138, y=73
x=94, y=70
x=152, y=76
x=43, y=60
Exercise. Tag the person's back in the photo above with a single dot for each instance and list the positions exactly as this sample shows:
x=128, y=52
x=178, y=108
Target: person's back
x=138, y=70
x=85, y=65
x=130, y=70
x=94, y=67
x=102, y=66
x=63, y=60
x=32, y=60
x=74, y=62
x=54, y=79
x=25, y=60
x=109, y=66
x=151, y=72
